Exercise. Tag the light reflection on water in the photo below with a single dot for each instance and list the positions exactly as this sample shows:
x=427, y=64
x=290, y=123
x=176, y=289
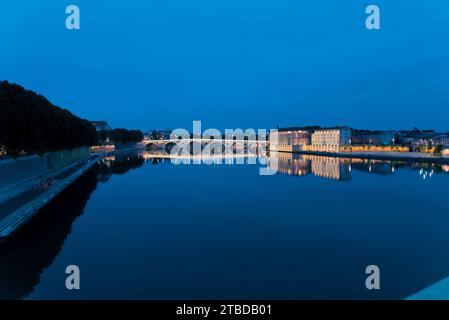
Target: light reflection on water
x=140, y=227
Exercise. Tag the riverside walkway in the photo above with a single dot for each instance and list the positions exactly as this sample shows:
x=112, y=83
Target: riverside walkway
x=21, y=206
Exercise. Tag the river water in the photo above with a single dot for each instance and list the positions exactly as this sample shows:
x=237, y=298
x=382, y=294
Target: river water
x=140, y=227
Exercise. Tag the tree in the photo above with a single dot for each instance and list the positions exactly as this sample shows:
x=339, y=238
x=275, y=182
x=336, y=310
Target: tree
x=155, y=135
x=30, y=123
x=437, y=151
x=125, y=136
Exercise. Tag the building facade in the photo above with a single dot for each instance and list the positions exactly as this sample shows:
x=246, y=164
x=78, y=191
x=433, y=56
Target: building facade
x=377, y=138
x=441, y=140
x=290, y=139
x=330, y=140
x=419, y=139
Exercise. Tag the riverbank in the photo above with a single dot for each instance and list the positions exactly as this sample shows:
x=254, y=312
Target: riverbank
x=392, y=156
x=23, y=197
x=18, y=209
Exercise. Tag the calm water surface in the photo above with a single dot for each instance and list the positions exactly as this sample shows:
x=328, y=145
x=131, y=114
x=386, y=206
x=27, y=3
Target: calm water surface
x=144, y=228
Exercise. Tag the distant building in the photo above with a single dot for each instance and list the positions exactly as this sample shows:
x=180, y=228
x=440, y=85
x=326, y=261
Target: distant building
x=442, y=139
x=165, y=134
x=159, y=134
x=101, y=125
x=416, y=138
x=290, y=139
x=331, y=140
x=367, y=137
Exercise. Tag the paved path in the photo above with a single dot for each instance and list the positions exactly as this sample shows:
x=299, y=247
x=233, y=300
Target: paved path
x=19, y=208
x=23, y=185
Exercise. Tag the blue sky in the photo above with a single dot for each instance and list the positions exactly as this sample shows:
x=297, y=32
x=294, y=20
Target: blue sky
x=234, y=63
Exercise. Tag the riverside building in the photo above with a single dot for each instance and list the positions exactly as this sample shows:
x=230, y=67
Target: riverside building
x=377, y=138
x=330, y=140
x=291, y=139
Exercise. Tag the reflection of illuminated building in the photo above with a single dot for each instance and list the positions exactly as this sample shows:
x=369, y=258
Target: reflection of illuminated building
x=291, y=164
x=290, y=139
x=102, y=149
x=373, y=166
x=300, y=165
x=330, y=168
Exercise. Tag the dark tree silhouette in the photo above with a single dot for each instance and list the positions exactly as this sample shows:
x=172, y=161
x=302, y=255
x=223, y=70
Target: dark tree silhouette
x=120, y=136
x=30, y=123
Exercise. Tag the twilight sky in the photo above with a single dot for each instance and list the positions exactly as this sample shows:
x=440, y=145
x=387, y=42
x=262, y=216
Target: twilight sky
x=234, y=63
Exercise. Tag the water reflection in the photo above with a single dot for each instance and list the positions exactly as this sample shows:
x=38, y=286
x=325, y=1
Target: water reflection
x=34, y=247
x=119, y=164
x=341, y=168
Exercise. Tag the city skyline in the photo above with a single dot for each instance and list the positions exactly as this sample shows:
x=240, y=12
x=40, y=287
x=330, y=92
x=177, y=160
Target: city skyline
x=233, y=64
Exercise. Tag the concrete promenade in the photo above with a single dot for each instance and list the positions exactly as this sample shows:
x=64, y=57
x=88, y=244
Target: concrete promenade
x=20, y=207
x=29, y=186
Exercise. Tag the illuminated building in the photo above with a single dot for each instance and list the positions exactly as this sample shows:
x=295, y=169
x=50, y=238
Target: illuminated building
x=291, y=139
x=330, y=140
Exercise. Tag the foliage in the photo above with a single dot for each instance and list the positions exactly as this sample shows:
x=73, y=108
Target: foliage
x=30, y=123
x=117, y=136
x=155, y=135
x=438, y=150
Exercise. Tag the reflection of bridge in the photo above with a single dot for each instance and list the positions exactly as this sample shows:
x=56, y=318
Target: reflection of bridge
x=202, y=140
x=164, y=155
